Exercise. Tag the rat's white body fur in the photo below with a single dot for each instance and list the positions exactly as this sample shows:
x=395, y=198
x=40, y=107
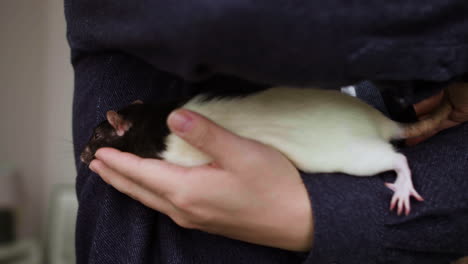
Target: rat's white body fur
x=318, y=130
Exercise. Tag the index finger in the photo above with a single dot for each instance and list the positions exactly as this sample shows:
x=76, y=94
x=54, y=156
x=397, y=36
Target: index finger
x=157, y=175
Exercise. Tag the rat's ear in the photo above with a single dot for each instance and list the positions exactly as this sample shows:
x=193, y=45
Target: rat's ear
x=114, y=119
x=137, y=102
x=118, y=123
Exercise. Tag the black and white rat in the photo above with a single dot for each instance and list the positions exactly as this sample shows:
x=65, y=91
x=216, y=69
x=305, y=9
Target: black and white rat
x=318, y=130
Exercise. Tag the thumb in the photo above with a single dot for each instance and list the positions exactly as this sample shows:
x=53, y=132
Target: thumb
x=208, y=137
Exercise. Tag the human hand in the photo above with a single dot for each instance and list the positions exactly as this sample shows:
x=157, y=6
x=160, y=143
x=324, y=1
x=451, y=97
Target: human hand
x=251, y=192
x=457, y=94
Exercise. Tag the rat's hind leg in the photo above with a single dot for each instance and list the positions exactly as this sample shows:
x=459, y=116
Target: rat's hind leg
x=403, y=186
x=369, y=157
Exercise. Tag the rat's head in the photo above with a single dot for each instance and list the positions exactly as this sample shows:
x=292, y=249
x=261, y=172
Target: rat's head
x=110, y=133
x=137, y=128
x=113, y=132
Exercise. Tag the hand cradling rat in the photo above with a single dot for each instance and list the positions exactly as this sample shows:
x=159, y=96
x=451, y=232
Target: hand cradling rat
x=318, y=130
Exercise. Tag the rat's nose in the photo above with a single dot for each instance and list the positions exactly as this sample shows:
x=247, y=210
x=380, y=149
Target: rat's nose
x=85, y=154
x=82, y=158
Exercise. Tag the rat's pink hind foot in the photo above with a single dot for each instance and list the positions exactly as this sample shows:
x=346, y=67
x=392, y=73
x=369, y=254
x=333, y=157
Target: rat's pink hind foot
x=401, y=197
x=403, y=187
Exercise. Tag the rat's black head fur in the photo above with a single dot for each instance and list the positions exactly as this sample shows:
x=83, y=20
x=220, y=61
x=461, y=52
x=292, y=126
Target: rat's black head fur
x=138, y=128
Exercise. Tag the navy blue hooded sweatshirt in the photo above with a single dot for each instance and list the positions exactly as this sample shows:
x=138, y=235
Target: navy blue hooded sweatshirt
x=156, y=50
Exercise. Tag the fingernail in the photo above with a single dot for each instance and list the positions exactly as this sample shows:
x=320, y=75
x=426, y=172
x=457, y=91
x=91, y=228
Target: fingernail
x=180, y=121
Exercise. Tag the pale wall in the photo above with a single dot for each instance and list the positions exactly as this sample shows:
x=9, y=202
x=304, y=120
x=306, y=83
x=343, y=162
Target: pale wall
x=35, y=102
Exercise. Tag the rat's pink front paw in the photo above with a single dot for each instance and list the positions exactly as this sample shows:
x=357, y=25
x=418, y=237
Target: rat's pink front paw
x=401, y=197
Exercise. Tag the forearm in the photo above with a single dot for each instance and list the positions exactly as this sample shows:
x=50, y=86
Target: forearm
x=352, y=222
x=351, y=213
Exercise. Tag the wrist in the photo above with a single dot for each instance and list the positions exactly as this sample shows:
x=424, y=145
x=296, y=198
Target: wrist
x=300, y=222
x=294, y=221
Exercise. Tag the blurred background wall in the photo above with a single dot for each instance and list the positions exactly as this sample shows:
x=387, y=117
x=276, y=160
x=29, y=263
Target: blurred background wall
x=36, y=86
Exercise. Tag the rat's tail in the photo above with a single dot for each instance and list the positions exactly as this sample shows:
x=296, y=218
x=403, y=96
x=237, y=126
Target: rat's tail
x=428, y=124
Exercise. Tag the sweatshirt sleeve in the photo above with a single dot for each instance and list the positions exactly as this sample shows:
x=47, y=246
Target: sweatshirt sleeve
x=352, y=220
x=280, y=42
x=353, y=224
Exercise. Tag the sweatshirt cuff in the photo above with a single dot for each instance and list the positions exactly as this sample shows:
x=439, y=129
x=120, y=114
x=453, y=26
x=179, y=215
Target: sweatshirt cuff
x=348, y=214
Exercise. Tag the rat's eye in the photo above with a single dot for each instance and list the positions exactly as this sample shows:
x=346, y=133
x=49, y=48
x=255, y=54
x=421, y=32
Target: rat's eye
x=97, y=136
